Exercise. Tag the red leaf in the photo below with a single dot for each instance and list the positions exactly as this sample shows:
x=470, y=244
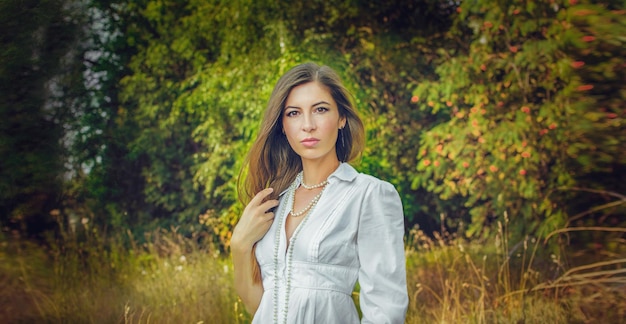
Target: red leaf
x=584, y=12
x=589, y=38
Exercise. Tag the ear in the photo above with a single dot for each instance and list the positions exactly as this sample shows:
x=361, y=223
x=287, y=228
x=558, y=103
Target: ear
x=342, y=122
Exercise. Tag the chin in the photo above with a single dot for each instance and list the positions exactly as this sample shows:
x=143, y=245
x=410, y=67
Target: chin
x=313, y=157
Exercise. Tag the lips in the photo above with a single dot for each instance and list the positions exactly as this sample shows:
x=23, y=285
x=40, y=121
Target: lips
x=310, y=142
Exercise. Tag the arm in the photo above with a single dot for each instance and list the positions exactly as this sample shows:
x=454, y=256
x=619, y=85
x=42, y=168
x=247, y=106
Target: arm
x=248, y=290
x=254, y=223
x=382, y=274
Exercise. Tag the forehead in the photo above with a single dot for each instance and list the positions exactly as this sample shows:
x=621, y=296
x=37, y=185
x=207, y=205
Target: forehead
x=308, y=94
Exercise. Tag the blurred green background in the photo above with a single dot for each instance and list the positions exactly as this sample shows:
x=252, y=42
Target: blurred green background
x=123, y=126
x=137, y=114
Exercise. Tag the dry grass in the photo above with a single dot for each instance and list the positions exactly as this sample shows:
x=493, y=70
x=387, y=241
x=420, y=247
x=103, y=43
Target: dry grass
x=171, y=279
x=86, y=277
x=452, y=280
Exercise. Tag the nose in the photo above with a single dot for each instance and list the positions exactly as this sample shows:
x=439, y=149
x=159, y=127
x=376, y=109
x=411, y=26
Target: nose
x=308, y=123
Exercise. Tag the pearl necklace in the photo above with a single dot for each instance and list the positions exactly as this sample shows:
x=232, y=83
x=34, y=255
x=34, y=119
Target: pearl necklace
x=319, y=185
x=308, y=207
x=312, y=203
x=288, y=261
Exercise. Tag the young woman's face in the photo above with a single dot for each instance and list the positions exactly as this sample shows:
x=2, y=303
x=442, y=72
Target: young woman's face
x=311, y=122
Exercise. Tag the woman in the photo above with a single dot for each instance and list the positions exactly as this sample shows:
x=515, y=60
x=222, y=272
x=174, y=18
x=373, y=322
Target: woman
x=313, y=225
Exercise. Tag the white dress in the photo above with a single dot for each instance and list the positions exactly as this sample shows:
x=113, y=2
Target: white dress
x=355, y=232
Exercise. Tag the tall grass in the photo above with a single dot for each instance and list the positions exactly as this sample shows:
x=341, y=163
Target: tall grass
x=452, y=280
x=87, y=276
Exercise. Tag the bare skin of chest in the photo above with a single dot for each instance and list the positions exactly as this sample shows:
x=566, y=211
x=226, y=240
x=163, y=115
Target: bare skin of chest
x=303, y=198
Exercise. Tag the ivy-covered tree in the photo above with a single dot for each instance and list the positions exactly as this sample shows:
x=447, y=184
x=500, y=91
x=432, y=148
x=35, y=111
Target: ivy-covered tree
x=472, y=109
x=39, y=80
x=531, y=112
x=200, y=74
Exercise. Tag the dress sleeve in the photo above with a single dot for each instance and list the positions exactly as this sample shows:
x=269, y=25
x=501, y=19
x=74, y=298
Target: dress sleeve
x=380, y=239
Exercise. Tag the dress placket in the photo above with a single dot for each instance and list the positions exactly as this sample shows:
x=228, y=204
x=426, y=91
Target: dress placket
x=282, y=270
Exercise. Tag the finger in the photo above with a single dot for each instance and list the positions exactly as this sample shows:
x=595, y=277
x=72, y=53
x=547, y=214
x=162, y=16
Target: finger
x=258, y=198
x=266, y=206
x=268, y=216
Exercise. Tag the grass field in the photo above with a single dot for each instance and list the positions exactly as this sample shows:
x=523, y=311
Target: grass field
x=88, y=277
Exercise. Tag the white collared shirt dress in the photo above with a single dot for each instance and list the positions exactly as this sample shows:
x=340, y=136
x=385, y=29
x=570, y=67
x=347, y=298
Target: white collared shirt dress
x=354, y=233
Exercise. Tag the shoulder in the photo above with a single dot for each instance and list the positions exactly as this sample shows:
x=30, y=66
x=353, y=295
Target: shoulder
x=372, y=182
x=364, y=184
x=377, y=192
x=380, y=207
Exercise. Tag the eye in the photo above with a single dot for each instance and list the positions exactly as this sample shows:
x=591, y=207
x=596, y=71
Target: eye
x=321, y=109
x=291, y=113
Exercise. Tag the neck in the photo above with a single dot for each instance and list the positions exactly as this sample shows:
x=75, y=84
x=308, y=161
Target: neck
x=315, y=172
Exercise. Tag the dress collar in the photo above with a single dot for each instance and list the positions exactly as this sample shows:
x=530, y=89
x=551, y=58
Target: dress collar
x=345, y=172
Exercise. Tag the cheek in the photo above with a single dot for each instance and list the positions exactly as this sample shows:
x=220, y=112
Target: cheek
x=331, y=126
x=286, y=128
x=289, y=130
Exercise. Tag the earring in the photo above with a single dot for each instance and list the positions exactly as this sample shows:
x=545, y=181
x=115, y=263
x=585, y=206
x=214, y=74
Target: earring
x=343, y=144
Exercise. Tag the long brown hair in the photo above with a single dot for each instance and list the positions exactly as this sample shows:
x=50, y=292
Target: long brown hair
x=271, y=162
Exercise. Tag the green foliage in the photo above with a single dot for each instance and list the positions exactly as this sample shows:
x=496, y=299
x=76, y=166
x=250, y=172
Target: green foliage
x=106, y=178
x=472, y=109
x=39, y=78
x=191, y=93
x=200, y=74
x=517, y=124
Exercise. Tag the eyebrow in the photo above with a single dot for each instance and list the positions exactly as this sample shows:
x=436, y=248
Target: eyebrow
x=313, y=105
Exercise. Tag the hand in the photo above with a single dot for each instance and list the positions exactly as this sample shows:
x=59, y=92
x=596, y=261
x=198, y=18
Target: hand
x=255, y=221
